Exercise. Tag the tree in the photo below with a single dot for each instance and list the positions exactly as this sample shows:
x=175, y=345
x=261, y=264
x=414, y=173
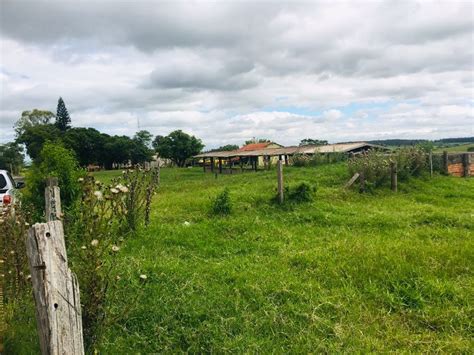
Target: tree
x=144, y=137
x=63, y=121
x=53, y=160
x=34, y=137
x=310, y=141
x=141, y=151
x=32, y=118
x=258, y=140
x=87, y=144
x=178, y=146
x=226, y=148
x=11, y=157
x=116, y=150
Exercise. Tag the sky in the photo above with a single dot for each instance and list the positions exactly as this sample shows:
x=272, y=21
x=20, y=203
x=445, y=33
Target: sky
x=228, y=71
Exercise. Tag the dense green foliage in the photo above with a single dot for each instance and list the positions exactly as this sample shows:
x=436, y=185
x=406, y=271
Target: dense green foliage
x=177, y=146
x=311, y=141
x=347, y=272
x=222, y=205
x=301, y=192
x=225, y=148
x=31, y=118
x=11, y=157
x=375, y=165
x=54, y=160
x=35, y=136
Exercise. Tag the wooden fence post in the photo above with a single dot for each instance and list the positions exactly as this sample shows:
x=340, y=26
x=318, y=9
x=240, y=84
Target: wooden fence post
x=280, y=181
x=352, y=180
x=431, y=163
x=466, y=163
x=55, y=287
x=445, y=162
x=52, y=200
x=393, y=176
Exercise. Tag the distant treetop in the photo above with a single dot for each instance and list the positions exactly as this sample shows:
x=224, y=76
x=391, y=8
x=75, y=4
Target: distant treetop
x=63, y=121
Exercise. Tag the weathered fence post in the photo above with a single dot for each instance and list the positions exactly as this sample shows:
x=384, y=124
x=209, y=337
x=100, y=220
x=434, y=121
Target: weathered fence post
x=352, y=180
x=431, y=163
x=55, y=287
x=393, y=176
x=466, y=163
x=280, y=181
x=445, y=162
x=52, y=200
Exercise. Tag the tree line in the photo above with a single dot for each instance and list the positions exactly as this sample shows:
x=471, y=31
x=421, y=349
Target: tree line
x=36, y=127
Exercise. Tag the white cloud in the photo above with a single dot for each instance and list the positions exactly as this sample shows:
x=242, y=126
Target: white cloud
x=231, y=71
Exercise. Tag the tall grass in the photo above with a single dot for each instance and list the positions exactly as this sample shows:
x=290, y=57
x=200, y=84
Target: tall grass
x=345, y=272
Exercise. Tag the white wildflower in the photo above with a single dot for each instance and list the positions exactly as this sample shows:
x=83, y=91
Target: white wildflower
x=98, y=195
x=95, y=243
x=114, y=190
x=80, y=179
x=83, y=247
x=186, y=223
x=115, y=248
x=143, y=277
x=122, y=188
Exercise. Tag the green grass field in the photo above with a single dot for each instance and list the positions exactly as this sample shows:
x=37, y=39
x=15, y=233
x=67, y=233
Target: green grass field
x=461, y=148
x=346, y=273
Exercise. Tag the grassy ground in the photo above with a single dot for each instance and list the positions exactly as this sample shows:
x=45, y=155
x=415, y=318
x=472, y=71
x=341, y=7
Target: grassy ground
x=348, y=272
x=462, y=148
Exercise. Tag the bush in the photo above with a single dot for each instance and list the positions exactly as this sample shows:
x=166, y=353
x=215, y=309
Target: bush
x=57, y=161
x=14, y=224
x=317, y=159
x=103, y=218
x=303, y=192
x=375, y=165
x=222, y=204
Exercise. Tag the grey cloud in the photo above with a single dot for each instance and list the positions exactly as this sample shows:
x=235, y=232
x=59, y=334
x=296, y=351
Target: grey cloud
x=188, y=65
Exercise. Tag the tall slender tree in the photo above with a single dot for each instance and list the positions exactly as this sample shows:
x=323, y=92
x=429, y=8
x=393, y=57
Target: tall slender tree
x=63, y=121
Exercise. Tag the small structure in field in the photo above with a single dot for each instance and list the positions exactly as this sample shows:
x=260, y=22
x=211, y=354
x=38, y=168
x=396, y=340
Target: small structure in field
x=265, y=154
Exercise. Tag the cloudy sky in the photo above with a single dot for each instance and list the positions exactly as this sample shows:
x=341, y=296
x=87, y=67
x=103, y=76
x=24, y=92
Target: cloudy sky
x=230, y=71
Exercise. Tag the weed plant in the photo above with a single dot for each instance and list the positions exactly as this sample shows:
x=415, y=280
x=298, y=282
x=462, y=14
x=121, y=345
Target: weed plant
x=222, y=205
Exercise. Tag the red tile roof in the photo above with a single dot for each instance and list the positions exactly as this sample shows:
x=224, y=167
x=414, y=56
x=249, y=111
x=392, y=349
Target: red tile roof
x=254, y=146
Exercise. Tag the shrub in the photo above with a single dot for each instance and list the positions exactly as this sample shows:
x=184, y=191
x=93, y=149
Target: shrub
x=57, y=161
x=103, y=218
x=14, y=224
x=317, y=159
x=300, y=160
x=375, y=166
x=222, y=204
x=302, y=192
x=470, y=149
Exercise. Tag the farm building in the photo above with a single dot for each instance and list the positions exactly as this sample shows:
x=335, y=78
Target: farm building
x=257, y=155
x=252, y=147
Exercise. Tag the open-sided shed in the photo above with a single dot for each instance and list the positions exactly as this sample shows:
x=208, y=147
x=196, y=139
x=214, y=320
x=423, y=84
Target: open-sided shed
x=229, y=158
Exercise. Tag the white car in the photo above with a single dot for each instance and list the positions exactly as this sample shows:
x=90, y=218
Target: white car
x=8, y=188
